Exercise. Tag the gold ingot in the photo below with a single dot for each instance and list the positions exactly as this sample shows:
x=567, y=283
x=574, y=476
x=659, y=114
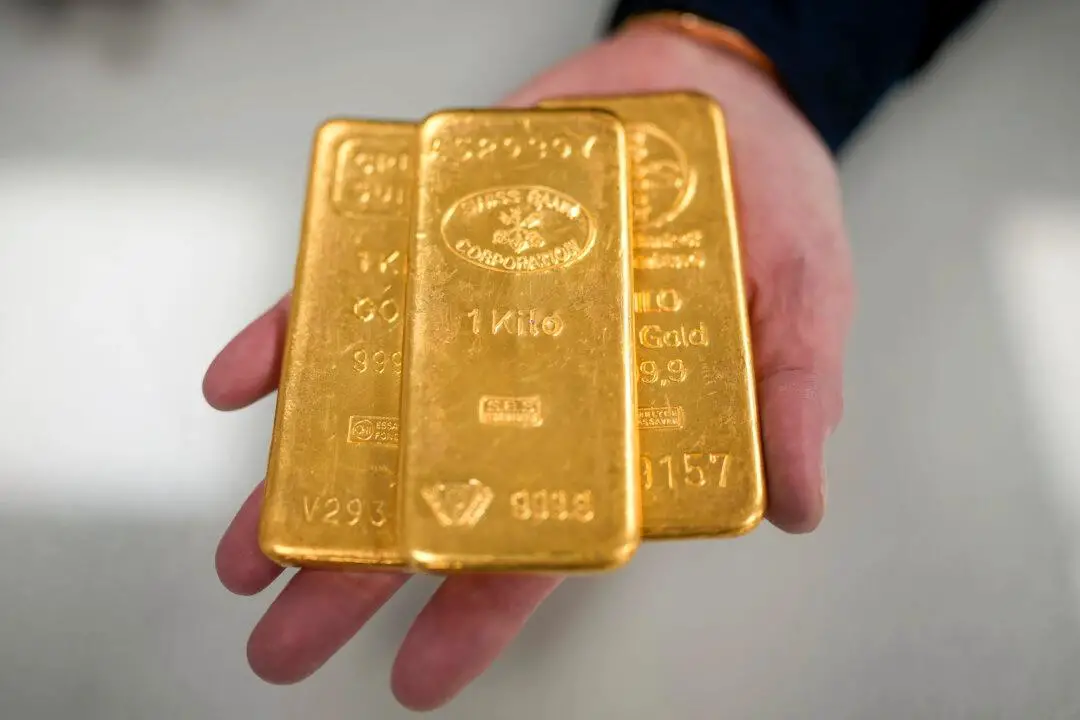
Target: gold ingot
x=519, y=449
x=701, y=463
x=331, y=495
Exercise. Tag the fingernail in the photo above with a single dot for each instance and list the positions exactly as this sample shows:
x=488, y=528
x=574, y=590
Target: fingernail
x=824, y=470
x=824, y=484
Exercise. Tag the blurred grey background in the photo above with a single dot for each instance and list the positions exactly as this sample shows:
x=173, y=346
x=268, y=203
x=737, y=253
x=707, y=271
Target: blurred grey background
x=152, y=167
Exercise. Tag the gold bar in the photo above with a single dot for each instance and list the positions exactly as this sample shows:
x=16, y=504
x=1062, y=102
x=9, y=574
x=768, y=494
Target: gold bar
x=519, y=450
x=331, y=497
x=701, y=463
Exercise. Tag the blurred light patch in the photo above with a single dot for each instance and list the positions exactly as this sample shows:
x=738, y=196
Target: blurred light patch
x=117, y=285
x=1038, y=272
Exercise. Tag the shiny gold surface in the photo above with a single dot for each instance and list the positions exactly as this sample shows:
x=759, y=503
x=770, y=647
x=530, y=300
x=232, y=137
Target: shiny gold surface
x=331, y=495
x=519, y=449
x=701, y=462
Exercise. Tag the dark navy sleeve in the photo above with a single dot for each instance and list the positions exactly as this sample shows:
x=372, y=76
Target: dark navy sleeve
x=836, y=58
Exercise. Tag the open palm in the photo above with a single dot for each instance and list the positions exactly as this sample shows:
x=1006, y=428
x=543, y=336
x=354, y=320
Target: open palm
x=800, y=294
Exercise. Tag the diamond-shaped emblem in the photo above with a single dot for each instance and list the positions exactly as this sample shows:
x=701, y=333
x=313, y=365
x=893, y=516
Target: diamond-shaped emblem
x=460, y=504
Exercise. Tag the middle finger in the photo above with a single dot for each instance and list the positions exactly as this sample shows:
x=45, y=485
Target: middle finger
x=313, y=617
x=467, y=623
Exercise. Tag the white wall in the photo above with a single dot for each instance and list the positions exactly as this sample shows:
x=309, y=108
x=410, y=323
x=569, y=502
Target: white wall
x=148, y=154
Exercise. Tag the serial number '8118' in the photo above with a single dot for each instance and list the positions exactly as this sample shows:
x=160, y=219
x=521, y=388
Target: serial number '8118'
x=697, y=470
x=559, y=505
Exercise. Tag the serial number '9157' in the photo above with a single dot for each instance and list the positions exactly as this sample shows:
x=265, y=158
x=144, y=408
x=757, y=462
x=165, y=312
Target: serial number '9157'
x=697, y=470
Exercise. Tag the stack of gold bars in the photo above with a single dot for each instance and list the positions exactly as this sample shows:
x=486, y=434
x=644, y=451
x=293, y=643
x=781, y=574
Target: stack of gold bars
x=518, y=342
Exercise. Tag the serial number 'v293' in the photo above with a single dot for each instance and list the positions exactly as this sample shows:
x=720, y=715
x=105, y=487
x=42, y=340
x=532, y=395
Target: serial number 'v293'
x=350, y=512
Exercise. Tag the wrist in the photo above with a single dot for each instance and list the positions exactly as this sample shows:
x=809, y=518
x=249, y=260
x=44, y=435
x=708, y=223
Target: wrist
x=645, y=58
x=654, y=58
x=707, y=33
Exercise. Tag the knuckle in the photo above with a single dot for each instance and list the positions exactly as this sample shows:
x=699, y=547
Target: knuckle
x=801, y=301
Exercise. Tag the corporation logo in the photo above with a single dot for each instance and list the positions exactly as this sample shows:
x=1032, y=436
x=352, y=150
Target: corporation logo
x=519, y=229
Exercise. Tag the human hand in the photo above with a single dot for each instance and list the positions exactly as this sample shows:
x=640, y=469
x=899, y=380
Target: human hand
x=800, y=293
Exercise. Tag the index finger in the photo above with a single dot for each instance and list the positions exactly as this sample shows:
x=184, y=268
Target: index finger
x=248, y=367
